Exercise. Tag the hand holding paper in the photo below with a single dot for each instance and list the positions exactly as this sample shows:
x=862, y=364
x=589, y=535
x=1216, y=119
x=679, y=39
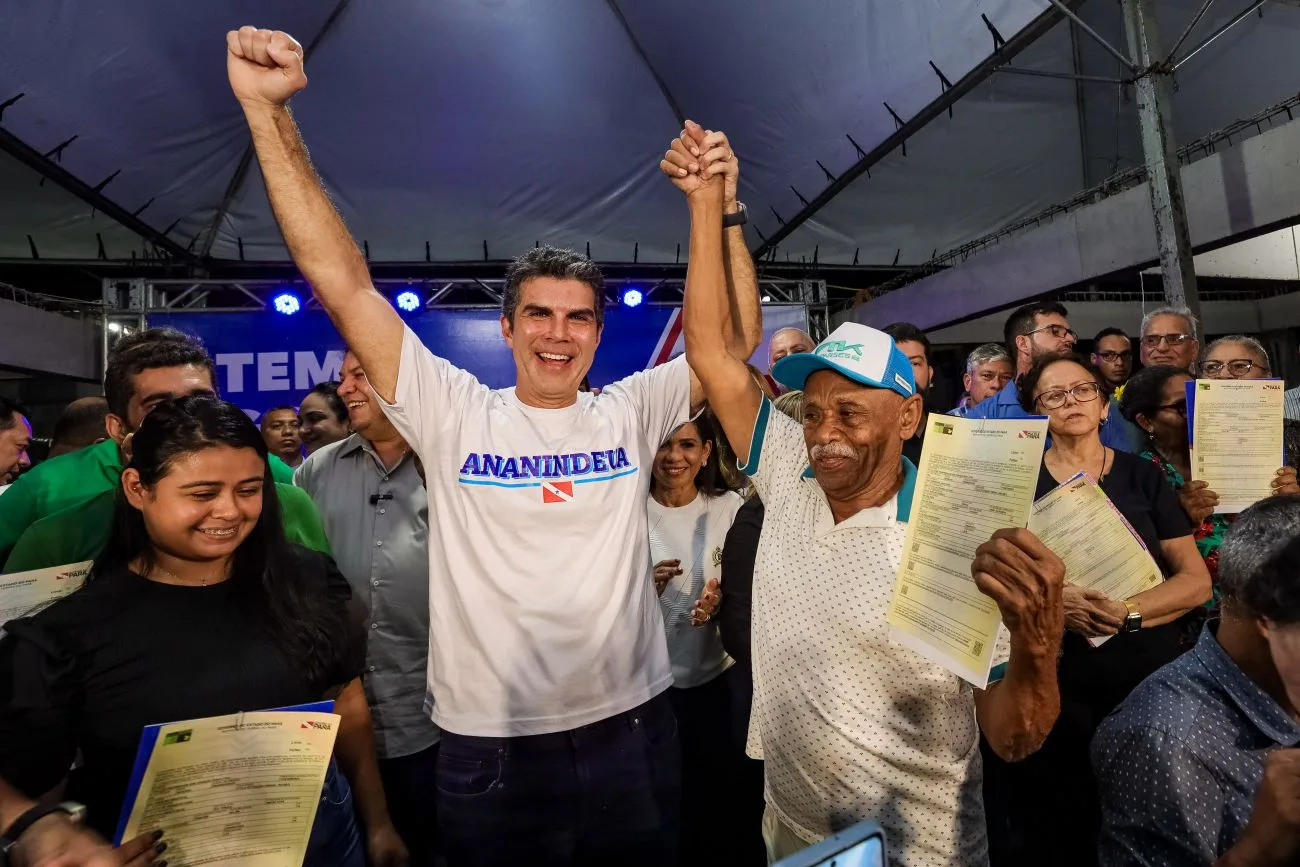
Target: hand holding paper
x=1198, y=501
x=1285, y=482
x=232, y=790
x=1090, y=612
x=1024, y=578
x=1237, y=438
x=1105, y=561
x=977, y=476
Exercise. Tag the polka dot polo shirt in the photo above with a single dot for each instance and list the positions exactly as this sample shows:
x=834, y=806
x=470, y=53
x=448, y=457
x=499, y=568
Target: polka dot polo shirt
x=850, y=724
x=1178, y=765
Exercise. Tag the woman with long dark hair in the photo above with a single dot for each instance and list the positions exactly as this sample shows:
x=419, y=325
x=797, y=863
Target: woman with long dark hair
x=198, y=607
x=690, y=511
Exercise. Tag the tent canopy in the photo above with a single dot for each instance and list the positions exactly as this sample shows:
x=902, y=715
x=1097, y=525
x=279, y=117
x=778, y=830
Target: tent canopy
x=440, y=128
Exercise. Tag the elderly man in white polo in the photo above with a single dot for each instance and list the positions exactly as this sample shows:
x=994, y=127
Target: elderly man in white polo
x=850, y=724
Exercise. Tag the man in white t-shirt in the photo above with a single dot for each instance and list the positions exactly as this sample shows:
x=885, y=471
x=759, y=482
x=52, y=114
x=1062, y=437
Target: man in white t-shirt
x=547, y=660
x=851, y=725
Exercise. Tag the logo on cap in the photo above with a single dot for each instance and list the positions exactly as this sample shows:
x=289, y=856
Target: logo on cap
x=840, y=349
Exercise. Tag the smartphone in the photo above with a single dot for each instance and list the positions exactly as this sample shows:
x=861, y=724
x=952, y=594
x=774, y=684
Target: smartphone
x=863, y=845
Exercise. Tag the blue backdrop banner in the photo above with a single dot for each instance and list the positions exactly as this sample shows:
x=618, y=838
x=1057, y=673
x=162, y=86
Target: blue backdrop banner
x=266, y=359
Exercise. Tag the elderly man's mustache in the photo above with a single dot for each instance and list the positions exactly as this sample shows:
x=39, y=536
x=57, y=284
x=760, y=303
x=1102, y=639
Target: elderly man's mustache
x=832, y=450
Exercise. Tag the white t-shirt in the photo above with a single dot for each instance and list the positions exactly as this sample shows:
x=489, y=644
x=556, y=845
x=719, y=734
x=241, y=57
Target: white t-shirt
x=850, y=724
x=542, y=611
x=693, y=534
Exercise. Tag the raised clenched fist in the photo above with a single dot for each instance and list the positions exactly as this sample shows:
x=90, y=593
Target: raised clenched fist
x=265, y=66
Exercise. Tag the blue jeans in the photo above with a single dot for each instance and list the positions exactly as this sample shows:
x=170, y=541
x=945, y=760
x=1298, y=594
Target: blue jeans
x=605, y=793
x=335, y=839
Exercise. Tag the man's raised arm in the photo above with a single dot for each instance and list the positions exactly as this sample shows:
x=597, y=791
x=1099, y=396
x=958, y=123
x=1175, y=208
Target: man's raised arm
x=266, y=69
x=731, y=392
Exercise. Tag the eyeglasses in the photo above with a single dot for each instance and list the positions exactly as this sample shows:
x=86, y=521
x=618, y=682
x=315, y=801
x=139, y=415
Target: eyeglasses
x=1084, y=392
x=1151, y=341
x=1111, y=356
x=1060, y=332
x=1237, y=368
x=1178, y=406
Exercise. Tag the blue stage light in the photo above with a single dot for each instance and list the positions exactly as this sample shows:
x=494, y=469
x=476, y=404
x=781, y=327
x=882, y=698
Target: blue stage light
x=287, y=303
x=407, y=301
x=632, y=297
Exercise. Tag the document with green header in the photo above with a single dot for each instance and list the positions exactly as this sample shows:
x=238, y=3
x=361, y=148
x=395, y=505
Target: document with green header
x=977, y=476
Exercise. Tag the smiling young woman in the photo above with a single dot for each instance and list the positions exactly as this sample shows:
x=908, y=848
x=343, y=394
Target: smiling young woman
x=197, y=607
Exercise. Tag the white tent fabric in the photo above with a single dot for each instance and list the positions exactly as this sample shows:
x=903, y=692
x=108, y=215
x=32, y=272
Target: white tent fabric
x=516, y=121
x=1016, y=145
x=464, y=121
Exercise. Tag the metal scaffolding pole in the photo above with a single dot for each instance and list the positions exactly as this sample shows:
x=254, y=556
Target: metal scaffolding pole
x=1154, y=97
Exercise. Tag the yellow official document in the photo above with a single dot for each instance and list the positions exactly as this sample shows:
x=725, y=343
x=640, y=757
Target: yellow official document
x=1080, y=524
x=22, y=594
x=1237, y=440
x=232, y=790
x=977, y=476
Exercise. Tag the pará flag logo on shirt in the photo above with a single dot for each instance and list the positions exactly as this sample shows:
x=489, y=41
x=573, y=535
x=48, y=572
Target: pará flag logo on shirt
x=557, y=492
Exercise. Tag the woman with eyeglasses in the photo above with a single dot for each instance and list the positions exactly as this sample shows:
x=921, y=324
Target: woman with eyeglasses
x=1036, y=804
x=1242, y=357
x=1156, y=401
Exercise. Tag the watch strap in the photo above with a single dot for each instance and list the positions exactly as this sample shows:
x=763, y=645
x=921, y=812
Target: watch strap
x=1133, y=622
x=740, y=218
x=24, y=822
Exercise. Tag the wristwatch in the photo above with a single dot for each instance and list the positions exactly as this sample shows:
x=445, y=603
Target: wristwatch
x=20, y=826
x=740, y=218
x=1133, y=622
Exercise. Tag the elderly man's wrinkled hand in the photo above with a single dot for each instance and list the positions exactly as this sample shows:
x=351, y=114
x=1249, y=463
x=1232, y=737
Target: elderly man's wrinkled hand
x=1026, y=580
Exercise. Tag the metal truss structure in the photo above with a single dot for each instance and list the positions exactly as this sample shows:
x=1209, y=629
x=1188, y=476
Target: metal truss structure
x=126, y=303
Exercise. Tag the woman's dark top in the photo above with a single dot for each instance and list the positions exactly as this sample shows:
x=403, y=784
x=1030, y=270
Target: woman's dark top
x=1048, y=800
x=90, y=672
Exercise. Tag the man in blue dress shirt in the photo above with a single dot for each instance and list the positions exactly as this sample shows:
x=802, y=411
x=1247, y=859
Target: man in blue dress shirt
x=1033, y=331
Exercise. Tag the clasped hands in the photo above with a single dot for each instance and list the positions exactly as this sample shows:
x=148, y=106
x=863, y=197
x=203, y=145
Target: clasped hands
x=698, y=156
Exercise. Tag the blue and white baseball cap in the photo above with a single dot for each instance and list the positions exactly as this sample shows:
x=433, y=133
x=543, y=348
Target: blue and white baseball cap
x=857, y=351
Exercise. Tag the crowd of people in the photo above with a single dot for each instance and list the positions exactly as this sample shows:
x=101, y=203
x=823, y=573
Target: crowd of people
x=645, y=624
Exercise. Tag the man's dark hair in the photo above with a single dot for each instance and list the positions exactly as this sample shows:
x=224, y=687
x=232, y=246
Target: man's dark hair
x=329, y=391
x=7, y=409
x=1108, y=332
x=81, y=423
x=282, y=408
x=149, y=350
x=902, y=331
x=1146, y=390
x=559, y=264
x=1028, y=384
x=1260, y=559
x=1021, y=321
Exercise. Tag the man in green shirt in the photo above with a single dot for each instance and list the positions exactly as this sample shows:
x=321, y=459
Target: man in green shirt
x=143, y=370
